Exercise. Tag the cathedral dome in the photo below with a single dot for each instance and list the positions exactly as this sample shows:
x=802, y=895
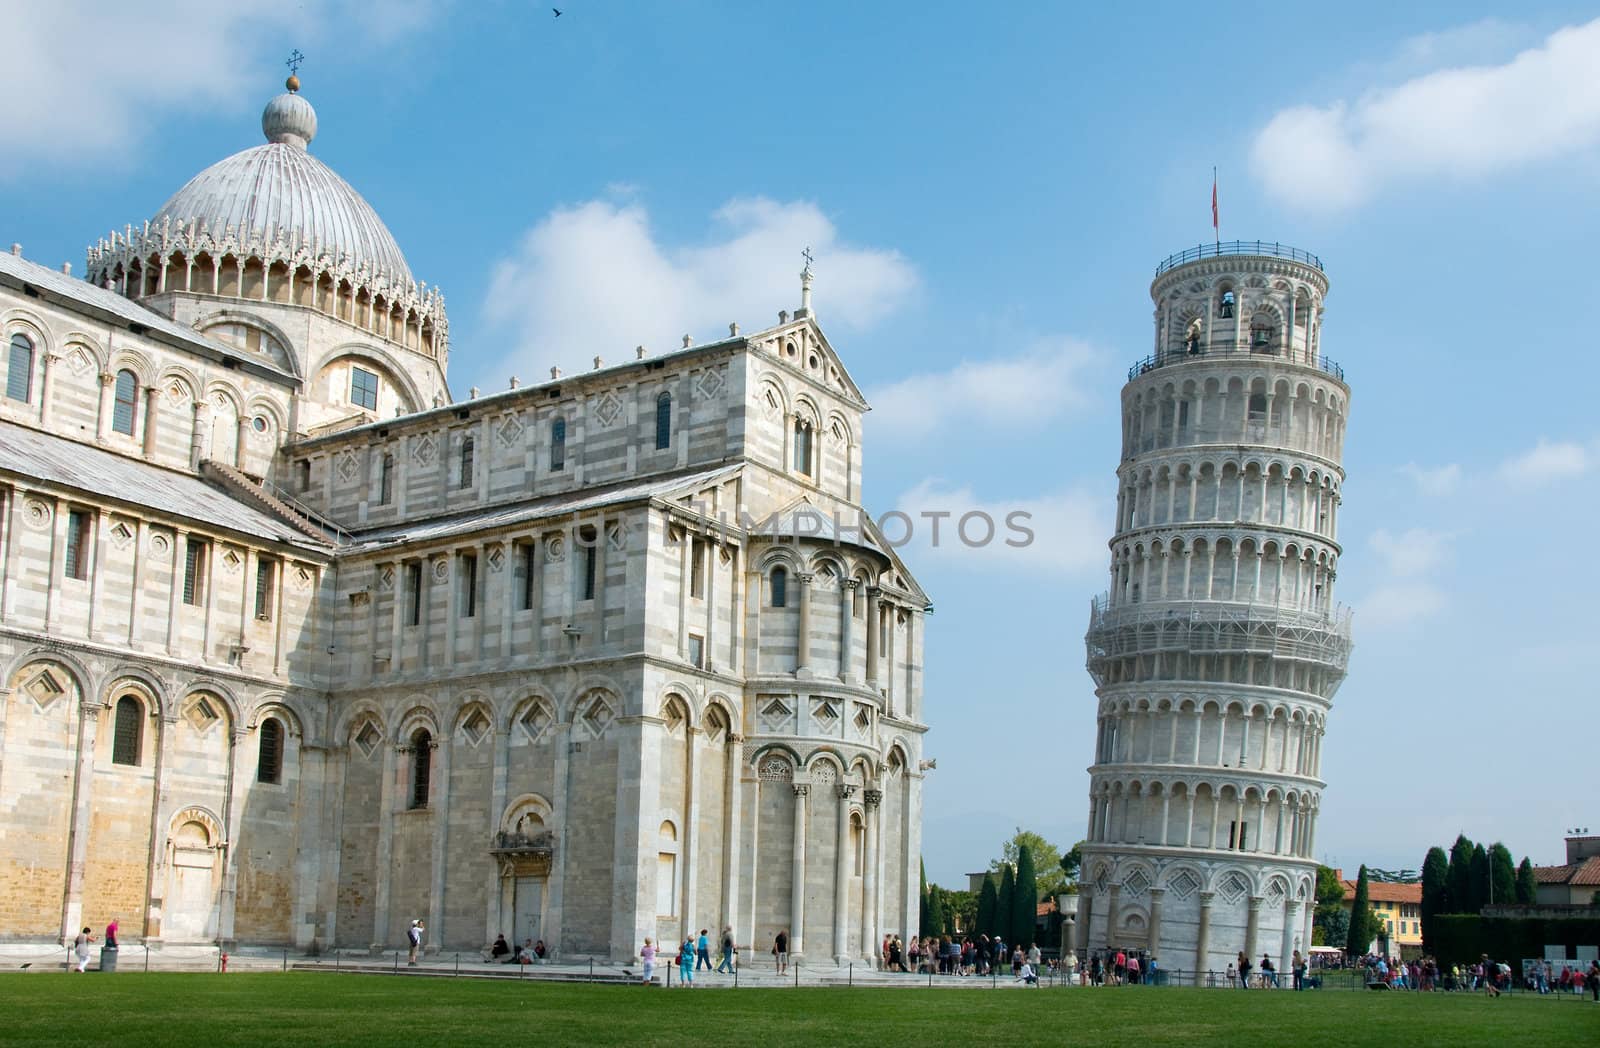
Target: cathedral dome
x=279, y=190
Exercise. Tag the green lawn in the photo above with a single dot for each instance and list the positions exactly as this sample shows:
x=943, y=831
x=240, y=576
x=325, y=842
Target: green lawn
x=373, y=1010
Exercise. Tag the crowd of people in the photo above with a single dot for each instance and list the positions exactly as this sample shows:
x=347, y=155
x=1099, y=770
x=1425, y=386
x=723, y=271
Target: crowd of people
x=1488, y=976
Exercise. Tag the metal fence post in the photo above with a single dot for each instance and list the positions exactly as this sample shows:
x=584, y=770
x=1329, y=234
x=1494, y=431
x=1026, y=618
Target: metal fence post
x=797, y=975
x=458, y=963
x=591, y=969
x=397, y=962
x=850, y=977
x=669, y=976
x=285, y=958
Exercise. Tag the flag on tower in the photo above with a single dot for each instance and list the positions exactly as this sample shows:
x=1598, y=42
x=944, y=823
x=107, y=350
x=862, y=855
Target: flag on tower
x=1215, y=229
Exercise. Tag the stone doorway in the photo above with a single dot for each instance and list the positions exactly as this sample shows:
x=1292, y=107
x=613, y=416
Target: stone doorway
x=192, y=889
x=526, y=906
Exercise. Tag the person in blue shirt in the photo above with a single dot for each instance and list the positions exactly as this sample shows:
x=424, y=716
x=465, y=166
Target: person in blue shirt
x=702, y=952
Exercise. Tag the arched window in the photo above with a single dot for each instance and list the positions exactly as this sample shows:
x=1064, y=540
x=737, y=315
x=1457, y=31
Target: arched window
x=667, y=870
x=780, y=587
x=128, y=737
x=663, y=421
x=1225, y=303
x=1262, y=335
x=124, y=407
x=558, y=445
x=802, y=446
x=19, y=369
x=468, y=446
x=269, y=754
x=421, y=767
x=385, y=480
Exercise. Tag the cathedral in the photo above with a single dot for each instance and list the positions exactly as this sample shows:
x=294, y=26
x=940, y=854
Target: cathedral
x=299, y=647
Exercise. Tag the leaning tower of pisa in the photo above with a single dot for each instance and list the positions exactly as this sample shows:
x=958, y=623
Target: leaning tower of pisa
x=1218, y=647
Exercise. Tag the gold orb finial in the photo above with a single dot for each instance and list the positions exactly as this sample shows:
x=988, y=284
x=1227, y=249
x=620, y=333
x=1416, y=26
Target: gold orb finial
x=293, y=83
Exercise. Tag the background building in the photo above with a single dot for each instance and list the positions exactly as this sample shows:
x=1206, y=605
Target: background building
x=1398, y=908
x=1218, y=647
x=297, y=649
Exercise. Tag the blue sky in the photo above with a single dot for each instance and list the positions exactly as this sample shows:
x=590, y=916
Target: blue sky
x=988, y=192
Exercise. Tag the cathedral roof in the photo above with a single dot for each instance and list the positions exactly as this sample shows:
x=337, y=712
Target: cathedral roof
x=279, y=191
x=43, y=457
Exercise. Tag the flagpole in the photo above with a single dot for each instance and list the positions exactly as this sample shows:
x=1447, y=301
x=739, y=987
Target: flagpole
x=1216, y=229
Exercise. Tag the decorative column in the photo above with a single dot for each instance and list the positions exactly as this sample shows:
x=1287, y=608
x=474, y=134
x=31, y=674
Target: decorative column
x=82, y=804
x=872, y=799
x=797, y=890
x=1113, y=898
x=847, y=601
x=841, y=876
x=803, y=657
x=47, y=393
x=233, y=816
x=439, y=812
x=873, y=625
x=383, y=862
x=1251, y=927
x=691, y=824
x=1085, y=919
x=1291, y=917
x=1157, y=899
x=1203, y=935
x=730, y=852
x=243, y=431
x=152, y=397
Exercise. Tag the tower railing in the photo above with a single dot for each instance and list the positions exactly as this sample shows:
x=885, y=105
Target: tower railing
x=1259, y=248
x=1229, y=348
x=1205, y=627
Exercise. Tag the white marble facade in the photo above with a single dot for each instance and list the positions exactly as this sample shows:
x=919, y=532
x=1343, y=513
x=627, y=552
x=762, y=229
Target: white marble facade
x=1218, y=647
x=297, y=648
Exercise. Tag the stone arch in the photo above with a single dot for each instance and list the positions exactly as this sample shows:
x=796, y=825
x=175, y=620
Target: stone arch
x=518, y=811
x=590, y=682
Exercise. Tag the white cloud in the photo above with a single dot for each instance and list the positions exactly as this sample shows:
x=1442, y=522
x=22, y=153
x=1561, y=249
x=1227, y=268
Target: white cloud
x=1061, y=532
x=1548, y=461
x=1408, y=562
x=1412, y=553
x=1018, y=391
x=594, y=279
x=1464, y=121
x=1437, y=482
x=101, y=76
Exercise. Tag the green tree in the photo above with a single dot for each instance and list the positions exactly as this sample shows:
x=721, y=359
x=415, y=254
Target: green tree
x=1329, y=904
x=1008, y=896
x=1048, y=873
x=924, y=927
x=1478, y=896
x=1435, y=872
x=1072, y=862
x=1527, y=887
x=935, y=922
x=988, y=903
x=960, y=909
x=1025, y=902
x=1333, y=931
x=1458, y=881
x=1363, y=925
x=1502, y=875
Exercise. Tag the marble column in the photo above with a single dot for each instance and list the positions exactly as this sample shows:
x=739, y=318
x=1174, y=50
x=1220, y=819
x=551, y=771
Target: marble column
x=82, y=808
x=439, y=812
x=873, y=626
x=1202, y=937
x=1157, y=899
x=1113, y=898
x=803, y=651
x=872, y=799
x=841, y=877
x=797, y=891
x=1252, y=927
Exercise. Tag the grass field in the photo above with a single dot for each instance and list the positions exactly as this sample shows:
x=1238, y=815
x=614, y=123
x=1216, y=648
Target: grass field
x=371, y=1010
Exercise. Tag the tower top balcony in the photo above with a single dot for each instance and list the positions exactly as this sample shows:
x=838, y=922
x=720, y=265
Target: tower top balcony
x=1258, y=248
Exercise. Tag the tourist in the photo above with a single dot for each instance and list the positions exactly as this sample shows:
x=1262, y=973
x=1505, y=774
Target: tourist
x=702, y=951
x=780, y=950
x=80, y=946
x=1297, y=965
x=1119, y=965
x=539, y=950
x=1244, y=971
x=1593, y=980
x=1488, y=977
x=1269, y=972
x=726, y=964
x=914, y=953
x=500, y=947
x=884, y=949
x=686, y=956
x=1026, y=975
x=1133, y=970
x=1016, y=960
x=897, y=958
x=647, y=954
x=1034, y=955
x=1233, y=975
x=414, y=938
x=111, y=935
x=1150, y=972
x=1096, y=971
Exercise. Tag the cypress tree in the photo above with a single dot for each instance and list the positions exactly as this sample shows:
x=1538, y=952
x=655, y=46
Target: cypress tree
x=1361, y=920
x=1007, y=906
x=924, y=925
x=988, y=902
x=1527, y=887
x=1458, y=882
x=1435, y=869
x=1479, y=897
x=1025, y=901
x=937, y=922
x=1502, y=876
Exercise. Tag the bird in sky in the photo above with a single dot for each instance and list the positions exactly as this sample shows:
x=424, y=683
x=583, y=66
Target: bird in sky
x=557, y=10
